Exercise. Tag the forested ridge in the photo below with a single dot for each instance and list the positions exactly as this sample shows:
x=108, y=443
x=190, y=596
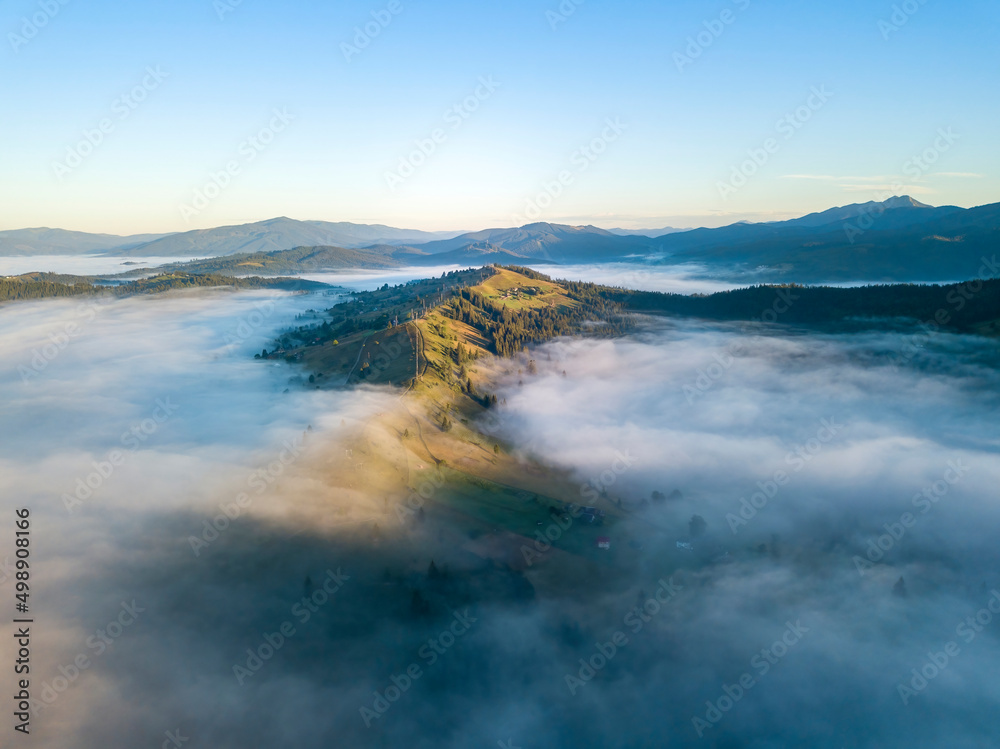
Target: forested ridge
x=46, y=285
x=959, y=306
x=563, y=308
x=16, y=289
x=511, y=330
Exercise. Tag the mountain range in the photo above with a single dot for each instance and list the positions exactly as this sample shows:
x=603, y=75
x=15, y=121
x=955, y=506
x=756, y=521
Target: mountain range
x=274, y=234
x=900, y=239
x=45, y=241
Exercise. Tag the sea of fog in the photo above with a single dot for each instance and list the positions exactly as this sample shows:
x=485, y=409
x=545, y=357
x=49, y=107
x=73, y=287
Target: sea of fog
x=677, y=279
x=687, y=279
x=823, y=469
x=78, y=265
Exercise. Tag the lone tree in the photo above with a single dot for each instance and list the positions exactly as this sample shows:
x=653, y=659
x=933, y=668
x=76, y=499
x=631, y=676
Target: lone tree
x=697, y=526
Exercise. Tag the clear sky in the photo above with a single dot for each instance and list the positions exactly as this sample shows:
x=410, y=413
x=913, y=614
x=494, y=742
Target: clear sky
x=689, y=110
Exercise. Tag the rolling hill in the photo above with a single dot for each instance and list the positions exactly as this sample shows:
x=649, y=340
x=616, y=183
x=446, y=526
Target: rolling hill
x=278, y=262
x=274, y=234
x=552, y=243
x=45, y=241
x=278, y=234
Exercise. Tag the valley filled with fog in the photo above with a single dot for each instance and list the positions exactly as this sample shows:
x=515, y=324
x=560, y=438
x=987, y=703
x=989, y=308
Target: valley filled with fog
x=79, y=265
x=823, y=468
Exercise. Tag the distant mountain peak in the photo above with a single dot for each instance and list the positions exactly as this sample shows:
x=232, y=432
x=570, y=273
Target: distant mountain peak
x=850, y=212
x=904, y=201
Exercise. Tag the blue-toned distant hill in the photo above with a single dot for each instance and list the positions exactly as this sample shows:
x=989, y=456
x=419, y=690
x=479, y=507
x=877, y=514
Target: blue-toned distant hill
x=45, y=241
x=651, y=233
x=886, y=212
x=897, y=240
x=262, y=236
x=868, y=242
x=557, y=243
x=900, y=239
x=279, y=234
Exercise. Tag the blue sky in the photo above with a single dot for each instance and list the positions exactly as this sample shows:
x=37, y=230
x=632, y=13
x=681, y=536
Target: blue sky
x=698, y=139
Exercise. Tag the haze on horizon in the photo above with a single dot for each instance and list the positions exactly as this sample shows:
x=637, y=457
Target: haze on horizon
x=856, y=97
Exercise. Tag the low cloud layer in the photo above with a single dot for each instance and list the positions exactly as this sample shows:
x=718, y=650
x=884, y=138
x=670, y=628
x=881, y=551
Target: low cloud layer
x=765, y=633
x=824, y=476
x=678, y=279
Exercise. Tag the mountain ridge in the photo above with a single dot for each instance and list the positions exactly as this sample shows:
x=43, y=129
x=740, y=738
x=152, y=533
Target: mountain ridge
x=279, y=233
x=897, y=240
